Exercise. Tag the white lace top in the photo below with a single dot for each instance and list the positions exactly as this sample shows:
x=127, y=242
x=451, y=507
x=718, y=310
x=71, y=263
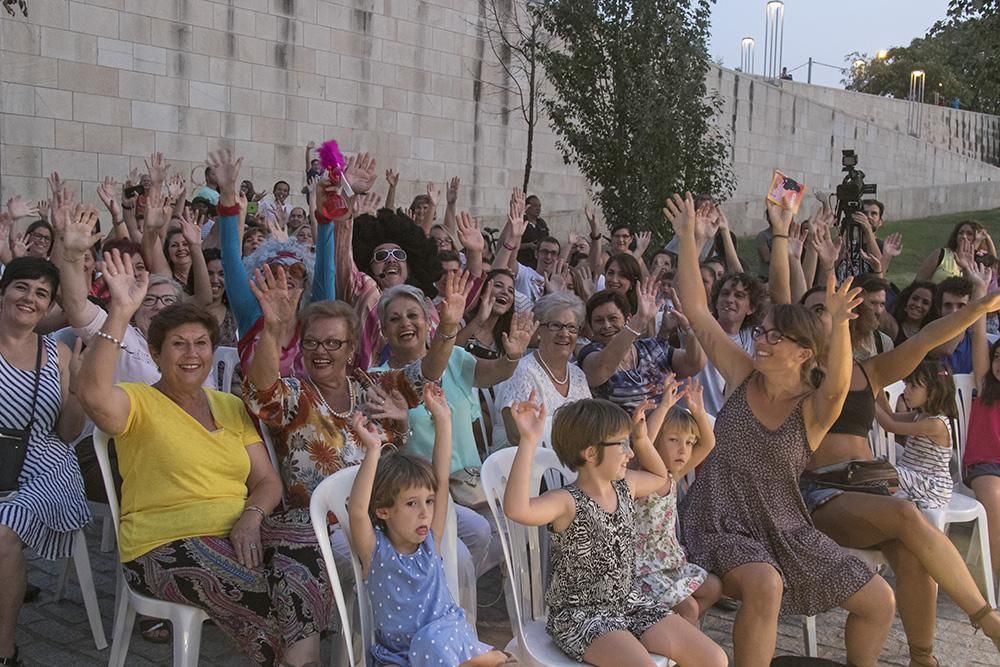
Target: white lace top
x=530, y=375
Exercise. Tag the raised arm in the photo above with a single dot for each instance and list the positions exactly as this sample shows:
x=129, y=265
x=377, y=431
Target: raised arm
x=927, y=428
x=706, y=436
x=797, y=279
x=450, y=210
x=510, y=237
x=437, y=406
x=733, y=263
x=594, y=259
x=361, y=533
x=106, y=404
x=74, y=236
x=392, y=178
x=199, y=267
x=494, y=371
x=652, y=474
x=600, y=366
x=778, y=282
x=153, y=234
x=278, y=305
x=727, y=356
x=827, y=402
x=518, y=505
x=473, y=242
x=453, y=295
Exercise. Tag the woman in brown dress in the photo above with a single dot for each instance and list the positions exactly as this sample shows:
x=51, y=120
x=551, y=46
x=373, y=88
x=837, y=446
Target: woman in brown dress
x=744, y=518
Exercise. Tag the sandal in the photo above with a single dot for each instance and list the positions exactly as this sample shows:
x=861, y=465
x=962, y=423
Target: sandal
x=922, y=655
x=975, y=619
x=155, y=631
x=13, y=660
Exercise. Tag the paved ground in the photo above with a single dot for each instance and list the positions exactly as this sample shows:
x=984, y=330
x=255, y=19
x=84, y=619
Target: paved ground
x=56, y=633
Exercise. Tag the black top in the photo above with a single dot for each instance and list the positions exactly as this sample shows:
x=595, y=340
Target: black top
x=859, y=410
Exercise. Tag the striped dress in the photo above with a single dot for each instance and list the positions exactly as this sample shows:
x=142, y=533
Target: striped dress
x=924, y=472
x=50, y=504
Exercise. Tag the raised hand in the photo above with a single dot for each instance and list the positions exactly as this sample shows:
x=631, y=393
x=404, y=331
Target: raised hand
x=176, y=187
x=779, y=218
x=382, y=404
x=433, y=193
x=646, y=292
x=107, y=192
x=367, y=204
x=515, y=217
x=126, y=287
x=364, y=431
x=191, y=229
x=965, y=255
x=680, y=212
x=17, y=207
x=55, y=183
x=435, y=402
x=157, y=168
x=74, y=227
x=707, y=220
x=796, y=240
x=529, y=417
x=451, y=196
x=841, y=301
x=673, y=391
x=226, y=167
x=392, y=177
x=827, y=249
x=468, y=233
x=19, y=246
x=559, y=279
x=522, y=328
x=642, y=242
x=874, y=262
x=274, y=228
x=43, y=209
x=278, y=304
x=156, y=219
x=486, y=302
x=859, y=218
x=695, y=396
x=638, y=428
x=457, y=287
x=583, y=279
x=360, y=173
x=892, y=246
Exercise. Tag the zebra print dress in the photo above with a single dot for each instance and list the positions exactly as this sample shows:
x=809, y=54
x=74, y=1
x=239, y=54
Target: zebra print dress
x=50, y=505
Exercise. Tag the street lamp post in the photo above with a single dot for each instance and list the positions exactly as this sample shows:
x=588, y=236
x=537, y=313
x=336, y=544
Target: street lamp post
x=774, y=36
x=747, y=48
x=915, y=111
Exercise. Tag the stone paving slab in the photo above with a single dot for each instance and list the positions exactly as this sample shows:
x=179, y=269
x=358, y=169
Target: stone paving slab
x=56, y=634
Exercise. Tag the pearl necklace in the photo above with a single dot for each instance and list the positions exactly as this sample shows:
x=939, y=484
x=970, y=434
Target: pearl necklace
x=538, y=355
x=342, y=415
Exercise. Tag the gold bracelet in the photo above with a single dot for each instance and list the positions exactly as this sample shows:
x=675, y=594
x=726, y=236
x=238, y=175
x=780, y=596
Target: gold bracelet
x=254, y=508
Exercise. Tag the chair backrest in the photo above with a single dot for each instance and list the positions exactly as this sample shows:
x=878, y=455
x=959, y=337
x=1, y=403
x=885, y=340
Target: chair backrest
x=964, y=385
x=224, y=363
x=520, y=544
x=104, y=461
x=331, y=496
x=883, y=443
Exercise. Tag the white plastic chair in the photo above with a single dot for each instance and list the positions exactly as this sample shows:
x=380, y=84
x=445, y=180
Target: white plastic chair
x=186, y=621
x=224, y=363
x=331, y=496
x=522, y=553
x=85, y=576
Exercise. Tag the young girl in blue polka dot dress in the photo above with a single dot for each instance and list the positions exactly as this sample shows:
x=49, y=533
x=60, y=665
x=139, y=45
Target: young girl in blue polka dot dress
x=397, y=514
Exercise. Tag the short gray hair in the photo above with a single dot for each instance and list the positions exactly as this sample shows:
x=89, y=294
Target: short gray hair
x=157, y=279
x=550, y=304
x=409, y=291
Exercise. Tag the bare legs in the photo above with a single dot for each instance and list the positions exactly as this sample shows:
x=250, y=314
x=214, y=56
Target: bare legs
x=694, y=607
x=869, y=617
x=755, y=630
x=303, y=653
x=672, y=637
x=14, y=577
x=987, y=488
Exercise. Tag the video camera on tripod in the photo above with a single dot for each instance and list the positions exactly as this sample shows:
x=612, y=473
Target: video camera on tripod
x=849, y=202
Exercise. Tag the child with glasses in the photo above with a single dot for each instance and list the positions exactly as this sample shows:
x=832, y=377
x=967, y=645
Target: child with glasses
x=683, y=441
x=596, y=613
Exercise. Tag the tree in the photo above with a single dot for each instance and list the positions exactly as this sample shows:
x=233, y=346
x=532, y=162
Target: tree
x=959, y=56
x=514, y=38
x=629, y=104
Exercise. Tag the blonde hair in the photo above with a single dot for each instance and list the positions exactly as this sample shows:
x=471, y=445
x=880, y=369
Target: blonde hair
x=397, y=472
x=678, y=420
x=582, y=424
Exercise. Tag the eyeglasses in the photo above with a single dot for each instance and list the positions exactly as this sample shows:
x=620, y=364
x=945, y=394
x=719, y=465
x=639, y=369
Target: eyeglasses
x=330, y=344
x=625, y=444
x=772, y=336
x=556, y=327
x=397, y=254
x=151, y=300
x=35, y=236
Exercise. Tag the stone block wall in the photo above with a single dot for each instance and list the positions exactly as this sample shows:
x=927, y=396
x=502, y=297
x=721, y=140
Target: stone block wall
x=91, y=87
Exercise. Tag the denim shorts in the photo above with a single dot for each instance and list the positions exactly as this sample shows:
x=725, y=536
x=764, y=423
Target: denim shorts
x=978, y=470
x=816, y=495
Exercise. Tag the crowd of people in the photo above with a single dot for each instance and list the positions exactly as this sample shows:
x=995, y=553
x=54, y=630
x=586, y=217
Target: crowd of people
x=714, y=418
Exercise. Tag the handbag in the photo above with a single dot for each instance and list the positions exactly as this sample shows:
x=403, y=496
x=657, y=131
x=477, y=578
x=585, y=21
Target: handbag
x=466, y=488
x=876, y=476
x=14, y=442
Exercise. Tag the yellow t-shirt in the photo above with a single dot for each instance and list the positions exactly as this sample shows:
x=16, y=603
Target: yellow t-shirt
x=180, y=480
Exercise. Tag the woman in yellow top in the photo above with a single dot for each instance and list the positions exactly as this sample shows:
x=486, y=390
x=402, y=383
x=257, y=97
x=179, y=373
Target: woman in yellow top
x=198, y=487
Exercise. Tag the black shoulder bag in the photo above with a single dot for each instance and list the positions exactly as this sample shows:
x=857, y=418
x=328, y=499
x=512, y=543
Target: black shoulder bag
x=14, y=442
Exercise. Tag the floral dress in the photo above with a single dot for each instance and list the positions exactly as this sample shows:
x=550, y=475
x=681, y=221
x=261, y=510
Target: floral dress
x=662, y=569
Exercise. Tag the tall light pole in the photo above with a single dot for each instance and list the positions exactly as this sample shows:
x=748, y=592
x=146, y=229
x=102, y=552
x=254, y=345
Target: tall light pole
x=915, y=112
x=747, y=47
x=774, y=37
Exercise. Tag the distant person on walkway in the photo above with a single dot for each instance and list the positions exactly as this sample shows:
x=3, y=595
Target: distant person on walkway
x=785, y=75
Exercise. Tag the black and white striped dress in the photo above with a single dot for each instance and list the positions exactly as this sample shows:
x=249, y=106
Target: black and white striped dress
x=50, y=504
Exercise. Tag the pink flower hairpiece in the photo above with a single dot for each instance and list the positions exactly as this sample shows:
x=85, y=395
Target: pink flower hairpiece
x=330, y=156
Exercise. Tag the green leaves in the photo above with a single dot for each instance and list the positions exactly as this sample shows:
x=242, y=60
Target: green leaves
x=629, y=104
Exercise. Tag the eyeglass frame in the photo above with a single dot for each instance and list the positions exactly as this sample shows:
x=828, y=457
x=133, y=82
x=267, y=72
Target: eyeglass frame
x=311, y=344
x=391, y=252
x=558, y=327
x=759, y=331
x=626, y=445
x=154, y=299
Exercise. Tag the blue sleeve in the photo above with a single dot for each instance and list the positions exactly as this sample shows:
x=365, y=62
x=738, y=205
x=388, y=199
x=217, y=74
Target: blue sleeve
x=324, y=282
x=241, y=300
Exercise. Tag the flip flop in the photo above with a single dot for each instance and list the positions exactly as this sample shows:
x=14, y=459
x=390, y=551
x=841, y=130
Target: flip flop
x=155, y=630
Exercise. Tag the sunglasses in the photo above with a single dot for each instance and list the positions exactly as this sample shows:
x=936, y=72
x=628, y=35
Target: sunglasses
x=397, y=254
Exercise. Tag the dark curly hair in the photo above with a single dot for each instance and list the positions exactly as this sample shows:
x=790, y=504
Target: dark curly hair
x=899, y=310
x=422, y=263
x=755, y=290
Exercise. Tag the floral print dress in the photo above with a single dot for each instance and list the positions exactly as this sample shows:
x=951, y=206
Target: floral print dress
x=662, y=569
